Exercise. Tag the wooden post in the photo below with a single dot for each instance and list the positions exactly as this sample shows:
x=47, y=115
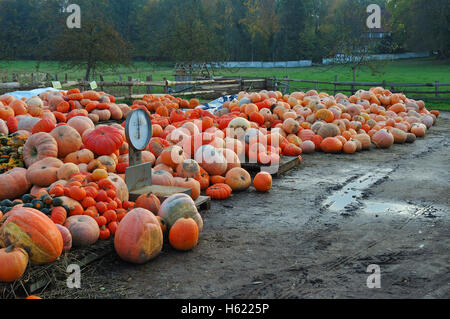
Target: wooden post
x=436, y=88
x=316, y=86
x=335, y=84
x=166, y=86
x=288, y=85
x=56, y=77
x=102, y=80
x=241, y=83
x=149, y=79
x=384, y=84
x=32, y=77
x=66, y=78
x=120, y=77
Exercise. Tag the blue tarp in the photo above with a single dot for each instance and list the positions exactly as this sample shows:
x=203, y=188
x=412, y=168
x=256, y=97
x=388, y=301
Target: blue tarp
x=217, y=104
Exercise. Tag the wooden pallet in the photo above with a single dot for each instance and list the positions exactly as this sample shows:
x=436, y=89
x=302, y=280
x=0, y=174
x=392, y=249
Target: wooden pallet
x=203, y=203
x=286, y=164
x=38, y=277
x=162, y=192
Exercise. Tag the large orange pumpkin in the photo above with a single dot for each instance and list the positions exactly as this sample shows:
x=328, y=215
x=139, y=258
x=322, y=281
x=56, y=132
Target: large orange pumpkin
x=68, y=140
x=81, y=124
x=38, y=147
x=44, y=172
x=33, y=231
x=139, y=237
x=14, y=183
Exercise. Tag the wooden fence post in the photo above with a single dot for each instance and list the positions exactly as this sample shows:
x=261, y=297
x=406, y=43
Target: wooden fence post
x=436, y=88
x=149, y=79
x=166, y=86
x=288, y=85
x=102, y=80
x=130, y=88
x=335, y=85
x=66, y=78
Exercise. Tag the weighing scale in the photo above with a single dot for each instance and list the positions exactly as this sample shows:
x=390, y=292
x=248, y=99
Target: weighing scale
x=138, y=176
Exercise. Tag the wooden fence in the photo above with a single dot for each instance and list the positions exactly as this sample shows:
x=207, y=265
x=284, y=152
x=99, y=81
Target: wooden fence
x=418, y=91
x=216, y=87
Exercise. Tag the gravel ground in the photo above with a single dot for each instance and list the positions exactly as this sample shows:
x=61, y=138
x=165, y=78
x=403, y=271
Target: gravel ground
x=312, y=236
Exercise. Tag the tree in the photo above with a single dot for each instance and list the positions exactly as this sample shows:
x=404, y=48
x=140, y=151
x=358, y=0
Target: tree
x=95, y=46
x=421, y=25
x=352, y=45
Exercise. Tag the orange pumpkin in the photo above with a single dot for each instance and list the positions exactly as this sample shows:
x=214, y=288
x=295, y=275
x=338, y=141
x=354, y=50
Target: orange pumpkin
x=238, y=179
x=262, y=182
x=139, y=237
x=149, y=202
x=68, y=140
x=183, y=235
x=14, y=261
x=38, y=147
x=331, y=145
x=33, y=231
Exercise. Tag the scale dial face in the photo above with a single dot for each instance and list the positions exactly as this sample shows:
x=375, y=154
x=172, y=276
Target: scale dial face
x=138, y=129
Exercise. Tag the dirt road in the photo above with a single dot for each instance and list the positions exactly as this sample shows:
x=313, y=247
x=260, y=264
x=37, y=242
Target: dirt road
x=313, y=235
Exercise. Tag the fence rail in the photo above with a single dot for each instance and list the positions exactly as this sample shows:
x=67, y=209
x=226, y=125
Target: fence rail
x=219, y=86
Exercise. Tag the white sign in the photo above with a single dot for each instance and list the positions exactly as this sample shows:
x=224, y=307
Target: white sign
x=93, y=85
x=56, y=85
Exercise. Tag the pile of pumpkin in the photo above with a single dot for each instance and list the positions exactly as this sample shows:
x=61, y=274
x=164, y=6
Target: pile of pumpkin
x=27, y=235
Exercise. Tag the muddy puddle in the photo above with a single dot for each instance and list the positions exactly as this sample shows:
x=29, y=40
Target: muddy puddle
x=349, y=195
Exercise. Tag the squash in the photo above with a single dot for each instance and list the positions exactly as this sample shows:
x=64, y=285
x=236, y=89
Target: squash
x=149, y=202
x=103, y=140
x=84, y=230
x=262, y=182
x=38, y=147
x=67, y=237
x=190, y=183
x=44, y=172
x=383, y=139
x=331, y=145
x=188, y=169
x=81, y=124
x=238, y=179
x=219, y=191
x=33, y=231
x=120, y=187
x=139, y=237
x=178, y=206
x=14, y=261
x=183, y=235
x=66, y=171
x=68, y=140
x=211, y=159
x=14, y=183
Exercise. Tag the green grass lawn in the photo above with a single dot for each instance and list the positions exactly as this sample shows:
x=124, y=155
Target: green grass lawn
x=400, y=71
